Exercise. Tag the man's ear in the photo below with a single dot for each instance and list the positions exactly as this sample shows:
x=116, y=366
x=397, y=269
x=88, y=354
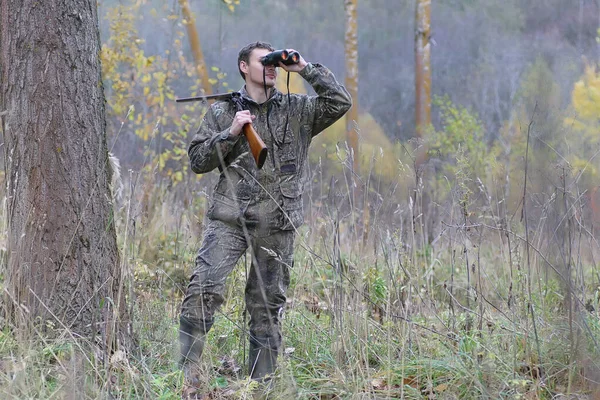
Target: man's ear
x=244, y=67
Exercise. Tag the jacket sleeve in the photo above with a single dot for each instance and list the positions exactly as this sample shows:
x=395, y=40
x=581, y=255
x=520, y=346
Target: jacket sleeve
x=210, y=144
x=332, y=100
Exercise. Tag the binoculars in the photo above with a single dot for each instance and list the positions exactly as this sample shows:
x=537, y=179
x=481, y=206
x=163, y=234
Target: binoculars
x=284, y=56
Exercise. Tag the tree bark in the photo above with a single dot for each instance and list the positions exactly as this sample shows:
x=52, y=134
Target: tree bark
x=351, y=81
x=63, y=261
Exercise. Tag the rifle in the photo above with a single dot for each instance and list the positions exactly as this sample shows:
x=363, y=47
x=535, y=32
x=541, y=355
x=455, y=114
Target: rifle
x=257, y=146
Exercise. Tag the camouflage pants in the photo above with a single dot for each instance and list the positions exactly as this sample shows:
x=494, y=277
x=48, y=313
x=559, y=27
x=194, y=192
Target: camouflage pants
x=268, y=279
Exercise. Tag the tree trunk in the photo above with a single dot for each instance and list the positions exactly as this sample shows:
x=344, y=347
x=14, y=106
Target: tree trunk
x=422, y=66
x=422, y=218
x=351, y=83
x=63, y=261
x=190, y=25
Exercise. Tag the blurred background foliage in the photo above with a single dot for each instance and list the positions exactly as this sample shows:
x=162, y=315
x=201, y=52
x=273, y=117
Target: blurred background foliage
x=512, y=84
x=505, y=67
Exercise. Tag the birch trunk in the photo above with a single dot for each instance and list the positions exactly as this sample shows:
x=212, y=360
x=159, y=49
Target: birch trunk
x=351, y=81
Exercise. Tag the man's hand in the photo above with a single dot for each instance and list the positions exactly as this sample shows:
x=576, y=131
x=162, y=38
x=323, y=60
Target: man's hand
x=241, y=118
x=299, y=66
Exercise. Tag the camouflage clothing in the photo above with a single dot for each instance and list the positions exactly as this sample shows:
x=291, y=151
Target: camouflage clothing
x=245, y=193
x=268, y=279
x=259, y=209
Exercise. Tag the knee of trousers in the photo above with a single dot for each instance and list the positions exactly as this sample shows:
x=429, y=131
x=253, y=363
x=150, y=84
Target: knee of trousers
x=194, y=327
x=199, y=308
x=265, y=317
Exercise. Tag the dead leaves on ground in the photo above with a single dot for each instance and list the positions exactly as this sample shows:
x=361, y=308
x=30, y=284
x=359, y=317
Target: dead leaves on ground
x=425, y=387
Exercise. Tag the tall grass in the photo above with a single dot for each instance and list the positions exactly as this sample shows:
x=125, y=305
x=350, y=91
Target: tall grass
x=476, y=302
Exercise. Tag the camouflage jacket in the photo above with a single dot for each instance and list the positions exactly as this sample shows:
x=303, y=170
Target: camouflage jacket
x=268, y=199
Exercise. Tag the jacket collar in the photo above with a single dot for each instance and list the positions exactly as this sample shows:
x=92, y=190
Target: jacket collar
x=275, y=97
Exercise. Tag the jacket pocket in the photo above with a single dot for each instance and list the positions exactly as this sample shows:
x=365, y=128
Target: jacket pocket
x=238, y=185
x=292, y=205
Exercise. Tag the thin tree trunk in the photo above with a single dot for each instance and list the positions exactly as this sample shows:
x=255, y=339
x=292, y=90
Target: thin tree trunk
x=190, y=25
x=580, y=30
x=422, y=113
x=598, y=46
x=423, y=66
x=63, y=261
x=351, y=82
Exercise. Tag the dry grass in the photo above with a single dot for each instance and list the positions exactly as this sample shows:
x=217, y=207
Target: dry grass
x=384, y=302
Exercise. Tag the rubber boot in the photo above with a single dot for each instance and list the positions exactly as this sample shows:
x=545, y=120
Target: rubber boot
x=191, y=341
x=262, y=359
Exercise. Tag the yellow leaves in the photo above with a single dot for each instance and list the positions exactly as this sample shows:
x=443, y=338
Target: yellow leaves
x=377, y=153
x=162, y=159
x=296, y=82
x=144, y=132
x=142, y=83
x=581, y=100
x=574, y=124
x=177, y=176
x=231, y=4
x=585, y=100
x=159, y=77
x=579, y=164
x=584, y=123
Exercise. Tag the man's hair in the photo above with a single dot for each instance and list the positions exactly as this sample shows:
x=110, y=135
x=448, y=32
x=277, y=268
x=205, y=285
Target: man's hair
x=244, y=54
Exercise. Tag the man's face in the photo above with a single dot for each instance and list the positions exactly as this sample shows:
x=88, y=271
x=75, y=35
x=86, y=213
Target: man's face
x=254, y=70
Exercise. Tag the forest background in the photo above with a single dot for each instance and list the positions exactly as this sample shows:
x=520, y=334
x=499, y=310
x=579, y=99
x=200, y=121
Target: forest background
x=471, y=274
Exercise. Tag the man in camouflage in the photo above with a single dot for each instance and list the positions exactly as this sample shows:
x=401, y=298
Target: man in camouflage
x=254, y=208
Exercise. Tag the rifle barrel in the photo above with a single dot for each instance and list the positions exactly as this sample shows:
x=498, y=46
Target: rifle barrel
x=221, y=96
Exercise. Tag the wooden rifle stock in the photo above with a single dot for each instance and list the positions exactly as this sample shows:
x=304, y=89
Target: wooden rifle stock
x=257, y=146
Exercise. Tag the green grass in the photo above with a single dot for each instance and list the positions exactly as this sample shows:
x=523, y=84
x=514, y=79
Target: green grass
x=383, y=321
x=328, y=353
